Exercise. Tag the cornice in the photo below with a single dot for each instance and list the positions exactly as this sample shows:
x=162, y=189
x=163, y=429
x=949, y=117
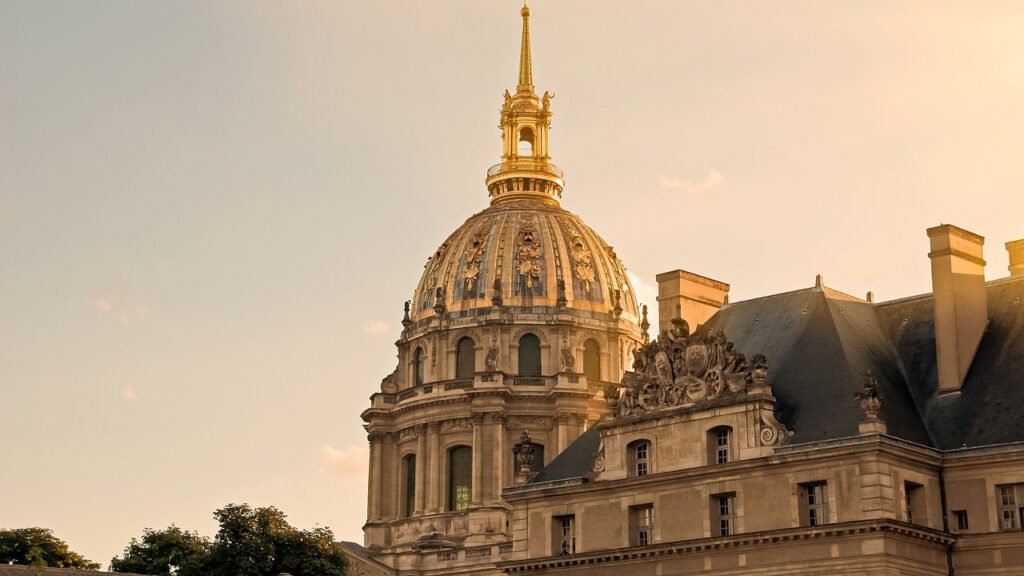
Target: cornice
x=864, y=528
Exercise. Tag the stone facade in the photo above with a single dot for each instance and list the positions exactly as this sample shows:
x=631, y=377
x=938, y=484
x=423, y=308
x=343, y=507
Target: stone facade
x=532, y=426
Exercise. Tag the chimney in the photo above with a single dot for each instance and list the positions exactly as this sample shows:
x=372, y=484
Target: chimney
x=1016, y=250
x=961, y=307
x=689, y=296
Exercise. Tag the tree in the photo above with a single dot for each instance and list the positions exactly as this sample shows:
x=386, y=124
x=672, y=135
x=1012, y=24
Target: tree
x=39, y=547
x=250, y=542
x=164, y=552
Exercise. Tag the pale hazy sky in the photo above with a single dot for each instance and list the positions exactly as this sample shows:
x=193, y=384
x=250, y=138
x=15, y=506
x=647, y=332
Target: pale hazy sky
x=211, y=212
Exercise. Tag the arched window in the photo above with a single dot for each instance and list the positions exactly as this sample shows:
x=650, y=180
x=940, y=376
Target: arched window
x=465, y=359
x=639, y=457
x=417, y=367
x=460, y=477
x=529, y=355
x=525, y=141
x=592, y=361
x=720, y=445
x=409, y=485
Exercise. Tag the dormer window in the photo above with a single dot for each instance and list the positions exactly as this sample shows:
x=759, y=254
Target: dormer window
x=639, y=458
x=720, y=445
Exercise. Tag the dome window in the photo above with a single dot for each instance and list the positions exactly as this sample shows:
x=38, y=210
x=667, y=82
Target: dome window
x=592, y=361
x=529, y=355
x=460, y=477
x=417, y=367
x=465, y=359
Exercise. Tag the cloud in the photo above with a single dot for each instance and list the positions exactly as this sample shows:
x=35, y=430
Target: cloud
x=128, y=394
x=352, y=462
x=711, y=180
x=376, y=327
x=102, y=304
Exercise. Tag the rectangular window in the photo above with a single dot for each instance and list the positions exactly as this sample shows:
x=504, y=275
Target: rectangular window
x=914, y=507
x=1011, y=506
x=410, y=486
x=814, y=503
x=960, y=517
x=641, y=525
x=564, y=530
x=722, y=446
x=641, y=459
x=723, y=514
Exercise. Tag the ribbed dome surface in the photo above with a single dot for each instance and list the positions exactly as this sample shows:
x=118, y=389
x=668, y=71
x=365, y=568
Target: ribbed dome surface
x=531, y=246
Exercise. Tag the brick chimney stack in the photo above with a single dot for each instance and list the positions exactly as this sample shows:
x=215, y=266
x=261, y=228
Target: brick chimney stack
x=961, y=305
x=1016, y=250
x=689, y=296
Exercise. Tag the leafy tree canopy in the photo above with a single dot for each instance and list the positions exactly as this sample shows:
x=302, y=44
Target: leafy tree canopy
x=164, y=552
x=250, y=542
x=39, y=547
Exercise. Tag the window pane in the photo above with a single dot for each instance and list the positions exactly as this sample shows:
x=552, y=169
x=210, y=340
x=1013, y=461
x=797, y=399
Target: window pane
x=465, y=359
x=529, y=355
x=460, y=477
x=591, y=361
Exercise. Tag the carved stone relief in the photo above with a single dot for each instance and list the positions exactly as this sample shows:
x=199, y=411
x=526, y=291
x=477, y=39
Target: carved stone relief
x=680, y=369
x=532, y=422
x=528, y=252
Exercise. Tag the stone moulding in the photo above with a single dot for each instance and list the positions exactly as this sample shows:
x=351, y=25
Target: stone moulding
x=846, y=529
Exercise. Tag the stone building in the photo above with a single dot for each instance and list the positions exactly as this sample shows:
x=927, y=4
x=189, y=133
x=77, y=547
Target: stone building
x=533, y=426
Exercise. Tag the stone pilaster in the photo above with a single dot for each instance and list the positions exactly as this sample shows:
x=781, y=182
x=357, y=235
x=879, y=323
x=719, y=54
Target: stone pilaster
x=478, y=454
x=375, y=488
x=434, y=454
x=421, y=468
x=498, y=455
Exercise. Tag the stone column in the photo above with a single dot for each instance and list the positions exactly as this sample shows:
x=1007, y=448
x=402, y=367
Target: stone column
x=478, y=454
x=391, y=469
x=562, y=432
x=375, y=487
x=434, y=454
x=498, y=455
x=421, y=469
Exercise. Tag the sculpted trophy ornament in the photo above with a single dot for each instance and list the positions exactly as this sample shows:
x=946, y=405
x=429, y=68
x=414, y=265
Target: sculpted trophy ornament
x=684, y=369
x=870, y=400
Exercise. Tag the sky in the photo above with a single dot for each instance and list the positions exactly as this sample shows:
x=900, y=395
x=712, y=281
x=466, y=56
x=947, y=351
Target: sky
x=212, y=212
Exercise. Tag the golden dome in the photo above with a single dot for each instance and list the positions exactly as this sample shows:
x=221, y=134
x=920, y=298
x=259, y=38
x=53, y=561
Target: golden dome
x=526, y=255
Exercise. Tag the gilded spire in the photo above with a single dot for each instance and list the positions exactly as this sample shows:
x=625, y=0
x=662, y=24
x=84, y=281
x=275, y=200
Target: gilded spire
x=525, y=63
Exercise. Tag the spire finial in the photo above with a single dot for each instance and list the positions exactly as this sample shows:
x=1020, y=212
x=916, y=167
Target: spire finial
x=525, y=62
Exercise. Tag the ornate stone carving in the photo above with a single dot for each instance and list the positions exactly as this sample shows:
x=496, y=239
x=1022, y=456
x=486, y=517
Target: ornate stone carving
x=535, y=422
x=406, y=321
x=496, y=298
x=474, y=254
x=456, y=424
x=439, y=300
x=581, y=259
x=493, y=354
x=524, y=452
x=870, y=400
x=497, y=417
x=529, y=251
x=567, y=358
x=434, y=427
x=407, y=433
x=389, y=384
x=375, y=436
x=772, y=432
x=562, y=300
x=680, y=369
x=598, y=464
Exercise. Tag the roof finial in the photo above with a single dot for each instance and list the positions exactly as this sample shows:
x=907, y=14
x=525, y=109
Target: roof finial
x=525, y=63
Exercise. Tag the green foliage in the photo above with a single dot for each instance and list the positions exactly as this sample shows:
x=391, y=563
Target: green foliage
x=164, y=552
x=39, y=547
x=250, y=542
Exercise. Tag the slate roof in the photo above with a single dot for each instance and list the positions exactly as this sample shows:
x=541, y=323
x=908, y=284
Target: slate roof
x=820, y=343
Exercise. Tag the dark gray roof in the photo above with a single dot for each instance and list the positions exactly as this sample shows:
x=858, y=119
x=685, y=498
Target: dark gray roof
x=820, y=343
x=990, y=406
x=575, y=461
